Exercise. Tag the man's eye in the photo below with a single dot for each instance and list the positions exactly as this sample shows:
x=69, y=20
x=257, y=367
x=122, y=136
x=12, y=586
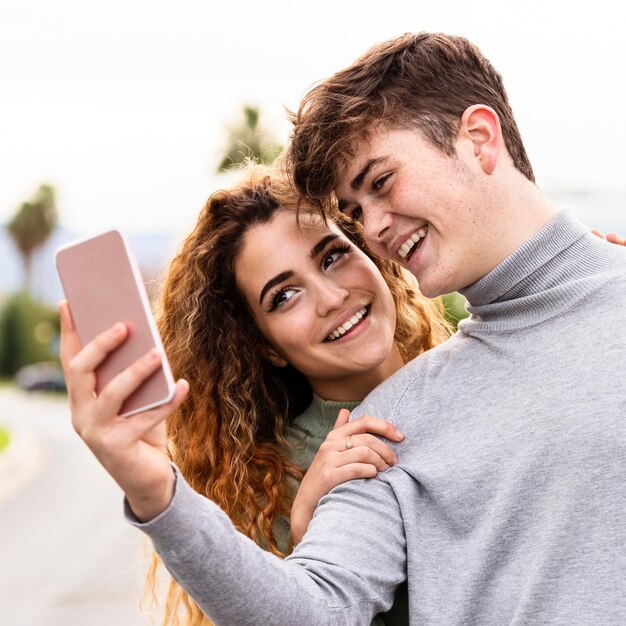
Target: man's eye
x=356, y=213
x=379, y=183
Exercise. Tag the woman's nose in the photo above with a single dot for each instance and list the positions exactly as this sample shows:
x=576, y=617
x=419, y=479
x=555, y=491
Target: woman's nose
x=331, y=296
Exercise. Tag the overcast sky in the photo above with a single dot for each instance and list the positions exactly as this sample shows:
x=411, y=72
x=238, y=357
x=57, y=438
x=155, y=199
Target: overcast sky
x=122, y=104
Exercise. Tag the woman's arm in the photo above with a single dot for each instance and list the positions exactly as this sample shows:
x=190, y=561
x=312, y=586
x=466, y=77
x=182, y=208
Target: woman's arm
x=351, y=450
x=132, y=449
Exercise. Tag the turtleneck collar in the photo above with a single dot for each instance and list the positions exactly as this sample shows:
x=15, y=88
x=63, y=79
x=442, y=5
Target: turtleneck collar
x=322, y=413
x=545, y=276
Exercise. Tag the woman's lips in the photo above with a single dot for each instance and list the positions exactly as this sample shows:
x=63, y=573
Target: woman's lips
x=350, y=325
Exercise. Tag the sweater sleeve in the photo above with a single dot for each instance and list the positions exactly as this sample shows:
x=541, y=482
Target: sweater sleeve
x=344, y=571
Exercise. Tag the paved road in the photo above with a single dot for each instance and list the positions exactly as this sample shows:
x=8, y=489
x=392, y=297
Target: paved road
x=67, y=557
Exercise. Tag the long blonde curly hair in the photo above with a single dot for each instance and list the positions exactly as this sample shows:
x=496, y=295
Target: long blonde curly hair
x=228, y=437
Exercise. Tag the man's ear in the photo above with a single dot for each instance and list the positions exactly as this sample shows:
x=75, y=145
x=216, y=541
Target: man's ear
x=481, y=124
x=274, y=358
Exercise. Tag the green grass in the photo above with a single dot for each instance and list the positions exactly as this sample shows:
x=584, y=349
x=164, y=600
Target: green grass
x=5, y=437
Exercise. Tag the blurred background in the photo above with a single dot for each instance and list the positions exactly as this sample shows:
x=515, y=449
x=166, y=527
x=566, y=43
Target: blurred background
x=128, y=115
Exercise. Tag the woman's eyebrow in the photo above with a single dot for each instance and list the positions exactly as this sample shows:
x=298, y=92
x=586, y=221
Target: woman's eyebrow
x=274, y=281
x=322, y=243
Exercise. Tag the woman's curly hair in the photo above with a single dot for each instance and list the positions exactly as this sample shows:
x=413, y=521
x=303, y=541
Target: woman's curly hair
x=228, y=437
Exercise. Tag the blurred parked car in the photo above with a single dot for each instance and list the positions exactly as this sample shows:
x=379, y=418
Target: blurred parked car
x=45, y=376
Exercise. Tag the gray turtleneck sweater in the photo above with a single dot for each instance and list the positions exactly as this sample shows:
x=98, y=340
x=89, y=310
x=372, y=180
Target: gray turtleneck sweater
x=508, y=504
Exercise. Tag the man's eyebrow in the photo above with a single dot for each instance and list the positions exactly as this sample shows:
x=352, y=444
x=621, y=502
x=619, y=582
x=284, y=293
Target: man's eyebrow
x=357, y=181
x=322, y=243
x=273, y=282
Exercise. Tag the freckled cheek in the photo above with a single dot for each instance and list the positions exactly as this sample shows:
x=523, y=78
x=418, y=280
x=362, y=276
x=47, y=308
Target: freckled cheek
x=293, y=332
x=405, y=201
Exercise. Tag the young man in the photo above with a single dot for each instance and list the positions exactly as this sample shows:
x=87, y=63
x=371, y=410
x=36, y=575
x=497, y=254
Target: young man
x=508, y=504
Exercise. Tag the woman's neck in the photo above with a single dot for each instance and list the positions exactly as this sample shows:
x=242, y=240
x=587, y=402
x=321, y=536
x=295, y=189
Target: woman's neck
x=355, y=386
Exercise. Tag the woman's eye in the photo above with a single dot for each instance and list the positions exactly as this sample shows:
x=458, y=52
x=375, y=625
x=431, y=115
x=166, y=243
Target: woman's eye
x=332, y=256
x=282, y=297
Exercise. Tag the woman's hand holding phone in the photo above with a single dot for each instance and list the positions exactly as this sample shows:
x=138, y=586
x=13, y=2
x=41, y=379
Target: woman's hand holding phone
x=350, y=450
x=132, y=449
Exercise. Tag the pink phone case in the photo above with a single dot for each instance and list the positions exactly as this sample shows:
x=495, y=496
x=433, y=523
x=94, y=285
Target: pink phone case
x=103, y=285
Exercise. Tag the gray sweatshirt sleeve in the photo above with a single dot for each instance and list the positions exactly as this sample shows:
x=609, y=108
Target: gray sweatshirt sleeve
x=345, y=570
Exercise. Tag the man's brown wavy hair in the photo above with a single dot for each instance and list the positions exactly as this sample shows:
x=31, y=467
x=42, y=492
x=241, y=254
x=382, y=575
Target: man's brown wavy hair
x=423, y=81
x=228, y=437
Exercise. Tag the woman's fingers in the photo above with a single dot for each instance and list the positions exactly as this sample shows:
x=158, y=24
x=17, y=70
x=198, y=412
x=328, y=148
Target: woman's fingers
x=368, y=424
x=356, y=441
x=342, y=418
x=610, y=237
x=355, y=470
x=367, y=449
x=377, y=445
x=615, y=238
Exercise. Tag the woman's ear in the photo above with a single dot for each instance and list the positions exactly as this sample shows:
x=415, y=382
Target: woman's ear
x=481, y=124
x=274, y=358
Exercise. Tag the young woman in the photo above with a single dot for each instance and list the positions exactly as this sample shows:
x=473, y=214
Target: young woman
x=277, y=319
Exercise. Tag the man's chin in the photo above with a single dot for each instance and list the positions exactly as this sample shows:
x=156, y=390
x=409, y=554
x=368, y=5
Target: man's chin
x=428, y=288
x=435, y=288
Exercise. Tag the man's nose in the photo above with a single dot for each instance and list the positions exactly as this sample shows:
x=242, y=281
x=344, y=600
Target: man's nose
x=376, y=224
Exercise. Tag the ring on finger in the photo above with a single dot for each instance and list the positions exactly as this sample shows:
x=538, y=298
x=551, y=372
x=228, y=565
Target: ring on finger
x=349, y=443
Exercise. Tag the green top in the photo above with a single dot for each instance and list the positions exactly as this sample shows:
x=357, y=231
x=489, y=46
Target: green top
x=306, y=433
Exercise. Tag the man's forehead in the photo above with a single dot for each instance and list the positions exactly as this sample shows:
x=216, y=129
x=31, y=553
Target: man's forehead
x=364, y=149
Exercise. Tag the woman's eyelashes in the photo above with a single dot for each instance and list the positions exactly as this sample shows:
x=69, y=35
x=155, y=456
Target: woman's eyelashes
x=283, y=295
x=280, y=297
x=334, y=254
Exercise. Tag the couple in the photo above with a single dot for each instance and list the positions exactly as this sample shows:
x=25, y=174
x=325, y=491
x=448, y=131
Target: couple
x=505, y=499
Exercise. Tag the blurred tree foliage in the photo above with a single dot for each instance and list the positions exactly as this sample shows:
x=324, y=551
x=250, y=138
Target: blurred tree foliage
x=247, y=140
x=454, y=305
x=5, y=437
x=31, y=226
x=29, y=333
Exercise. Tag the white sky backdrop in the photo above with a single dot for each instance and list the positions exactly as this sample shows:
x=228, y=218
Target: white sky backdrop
x=122, y=104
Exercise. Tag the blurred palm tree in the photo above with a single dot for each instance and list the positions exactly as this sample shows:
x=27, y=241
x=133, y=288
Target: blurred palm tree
x=31, y=226
x=247, y=140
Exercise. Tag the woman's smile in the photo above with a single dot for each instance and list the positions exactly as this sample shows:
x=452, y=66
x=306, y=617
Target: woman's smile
x=352, y=326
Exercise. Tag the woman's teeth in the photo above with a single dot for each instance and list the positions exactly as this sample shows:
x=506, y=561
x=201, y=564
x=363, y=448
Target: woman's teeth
x=346, y=326
x=408, y=245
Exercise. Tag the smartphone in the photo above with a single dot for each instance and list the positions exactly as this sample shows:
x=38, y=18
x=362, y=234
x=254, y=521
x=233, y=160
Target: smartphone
x=103, y=285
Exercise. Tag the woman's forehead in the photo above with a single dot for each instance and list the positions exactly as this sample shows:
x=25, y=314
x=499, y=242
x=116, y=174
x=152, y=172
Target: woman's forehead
x=279, y=245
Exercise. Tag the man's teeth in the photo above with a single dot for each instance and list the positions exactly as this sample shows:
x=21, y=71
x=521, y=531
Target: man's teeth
x=407, y=246
x=346, y=326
